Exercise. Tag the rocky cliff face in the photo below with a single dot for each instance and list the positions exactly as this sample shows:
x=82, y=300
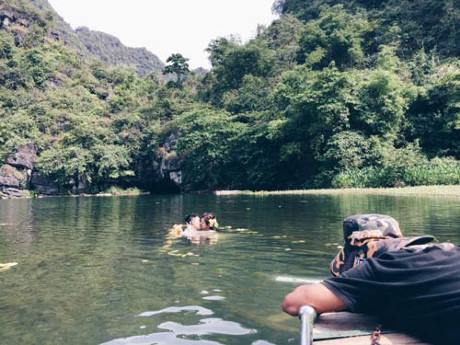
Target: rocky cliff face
x=18, y=176
x=110, y=50
x=169, y=166
x=16, y=173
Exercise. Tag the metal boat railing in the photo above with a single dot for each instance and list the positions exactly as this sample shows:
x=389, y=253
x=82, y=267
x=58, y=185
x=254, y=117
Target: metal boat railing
x=307, y=320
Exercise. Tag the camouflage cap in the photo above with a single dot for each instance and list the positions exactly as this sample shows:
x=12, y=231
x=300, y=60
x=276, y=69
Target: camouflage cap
x=361, y=233
x=387, y=226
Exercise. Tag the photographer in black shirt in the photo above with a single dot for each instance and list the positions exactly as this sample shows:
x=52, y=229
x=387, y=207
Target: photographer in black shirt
x=412, y=284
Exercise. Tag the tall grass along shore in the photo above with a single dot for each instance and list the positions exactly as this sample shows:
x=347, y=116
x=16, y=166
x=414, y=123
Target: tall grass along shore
x=451, y=191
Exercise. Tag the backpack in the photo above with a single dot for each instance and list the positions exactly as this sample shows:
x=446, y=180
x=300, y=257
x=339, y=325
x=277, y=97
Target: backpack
x=369, y=235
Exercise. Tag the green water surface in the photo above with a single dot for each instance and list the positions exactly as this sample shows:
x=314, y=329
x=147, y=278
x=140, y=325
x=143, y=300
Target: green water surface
x=101, y=271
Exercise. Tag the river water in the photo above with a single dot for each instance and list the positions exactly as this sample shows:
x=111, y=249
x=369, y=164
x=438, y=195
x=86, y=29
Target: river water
x=101, y=270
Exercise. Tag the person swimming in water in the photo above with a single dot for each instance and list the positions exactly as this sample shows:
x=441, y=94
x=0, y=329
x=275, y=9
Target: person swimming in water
x=192, y=225
x=201, y=229
x=196, y=230
x=208, y=222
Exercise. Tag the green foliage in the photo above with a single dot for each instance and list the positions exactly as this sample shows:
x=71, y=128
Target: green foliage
x=346, y=150
x=251, y=96
x=358, y=93
x=383, y=101
x=429, y=24
x=205, y=143
x=401, y=167
x=282, y=38
x=316, y=105
x=335, y=36
x=435, y=114
x=231, y=64
x=87, y=151
x=438, y=171
x=178, y=66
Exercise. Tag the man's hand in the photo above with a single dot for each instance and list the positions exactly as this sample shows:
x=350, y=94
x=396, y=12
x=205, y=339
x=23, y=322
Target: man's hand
x=316, y=296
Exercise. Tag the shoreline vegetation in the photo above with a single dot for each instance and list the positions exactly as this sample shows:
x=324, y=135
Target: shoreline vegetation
x=112, y=191
x=451, y=191
x=443, y=191
x=332, y=94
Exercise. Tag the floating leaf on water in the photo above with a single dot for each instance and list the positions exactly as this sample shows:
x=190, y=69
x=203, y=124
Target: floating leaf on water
x=7, y=266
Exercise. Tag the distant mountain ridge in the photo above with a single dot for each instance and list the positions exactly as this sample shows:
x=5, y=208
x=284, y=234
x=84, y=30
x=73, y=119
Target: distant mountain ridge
x=100, y=45
x=110, y=50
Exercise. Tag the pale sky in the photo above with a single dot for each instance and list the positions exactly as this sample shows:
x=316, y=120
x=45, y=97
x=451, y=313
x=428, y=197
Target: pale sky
x=169, y=26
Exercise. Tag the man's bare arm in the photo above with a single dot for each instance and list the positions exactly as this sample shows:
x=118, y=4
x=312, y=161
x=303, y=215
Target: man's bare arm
x=317, y=296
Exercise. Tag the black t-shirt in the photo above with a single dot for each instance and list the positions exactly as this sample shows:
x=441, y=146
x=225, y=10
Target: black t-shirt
x=415, y=289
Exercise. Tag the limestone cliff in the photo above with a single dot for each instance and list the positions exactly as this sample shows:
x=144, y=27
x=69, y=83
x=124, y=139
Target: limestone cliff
x=95, y=44
x=110, y=50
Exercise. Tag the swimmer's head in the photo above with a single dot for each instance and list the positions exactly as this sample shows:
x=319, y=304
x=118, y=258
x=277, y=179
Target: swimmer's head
x=209, y=221
x=193, y=219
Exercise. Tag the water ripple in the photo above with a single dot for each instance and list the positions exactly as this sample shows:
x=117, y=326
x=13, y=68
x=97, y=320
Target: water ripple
x=207, y=327
x=262, y=342
x=172, y=310
x=214, y=298
x=164, y=338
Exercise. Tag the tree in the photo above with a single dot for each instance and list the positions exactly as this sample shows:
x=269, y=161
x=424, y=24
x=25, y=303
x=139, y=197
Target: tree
x=177, y=64
x=205, y=142
x=335, y=36
x=435, y=114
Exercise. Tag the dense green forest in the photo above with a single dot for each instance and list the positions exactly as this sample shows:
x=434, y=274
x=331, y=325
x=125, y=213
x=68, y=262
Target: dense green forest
x=334, y=93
